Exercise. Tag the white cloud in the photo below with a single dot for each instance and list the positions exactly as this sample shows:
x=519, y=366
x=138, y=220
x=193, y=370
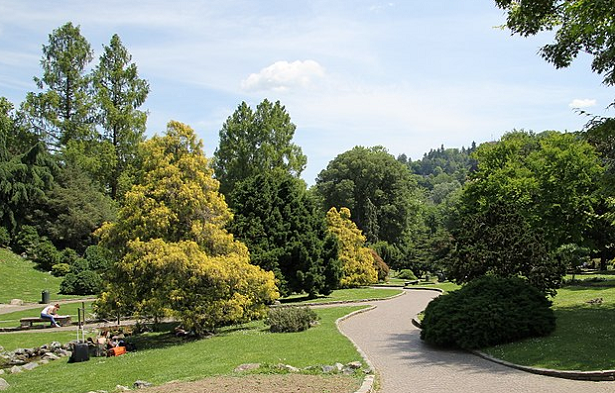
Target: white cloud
x=582, y=103
x=282, y=75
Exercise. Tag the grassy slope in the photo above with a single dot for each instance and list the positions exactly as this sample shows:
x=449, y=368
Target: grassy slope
x=583, y=337
x=345, y=295
x=19, y=279
x=218, y=355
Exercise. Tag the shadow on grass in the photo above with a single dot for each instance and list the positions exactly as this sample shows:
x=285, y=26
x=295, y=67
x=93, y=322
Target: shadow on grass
x=302, y=298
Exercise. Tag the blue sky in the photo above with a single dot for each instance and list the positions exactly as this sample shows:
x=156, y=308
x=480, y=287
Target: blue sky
x=409, y=75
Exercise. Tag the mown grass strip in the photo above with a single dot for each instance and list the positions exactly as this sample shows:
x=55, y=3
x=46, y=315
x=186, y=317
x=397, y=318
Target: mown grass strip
x=168, y=358
x=582, y=339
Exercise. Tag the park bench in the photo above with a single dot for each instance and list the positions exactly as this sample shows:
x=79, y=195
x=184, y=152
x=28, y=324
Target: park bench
x=28, y=322
x=413, y=282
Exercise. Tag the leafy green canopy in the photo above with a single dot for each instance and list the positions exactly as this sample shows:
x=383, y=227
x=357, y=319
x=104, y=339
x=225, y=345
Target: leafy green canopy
x=529, y=195
x=285, y=233
x=173, y=255
x=581, y=26
x=378, y=189
x=252, y=142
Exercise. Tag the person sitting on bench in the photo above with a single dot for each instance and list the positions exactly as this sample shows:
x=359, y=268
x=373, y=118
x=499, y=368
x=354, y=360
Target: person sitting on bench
x=50, y=312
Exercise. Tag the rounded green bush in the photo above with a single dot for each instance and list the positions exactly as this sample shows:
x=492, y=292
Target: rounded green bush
x=406, y=274
x=46, y=255
x=60, y=269
x=487, y=311
x=86, y=282
x=290, y=319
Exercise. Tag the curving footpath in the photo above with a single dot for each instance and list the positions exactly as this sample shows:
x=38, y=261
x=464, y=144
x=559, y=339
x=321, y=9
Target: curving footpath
x=405, y=364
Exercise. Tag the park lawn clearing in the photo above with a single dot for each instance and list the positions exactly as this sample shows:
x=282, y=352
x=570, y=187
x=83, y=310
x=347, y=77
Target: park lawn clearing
x=36, y=338
x=19, y=279
x=344, y=295
x=582, y=339
x=162, y=358
x=12, y=319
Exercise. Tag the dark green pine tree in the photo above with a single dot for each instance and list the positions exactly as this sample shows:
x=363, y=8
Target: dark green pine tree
x=285, y=233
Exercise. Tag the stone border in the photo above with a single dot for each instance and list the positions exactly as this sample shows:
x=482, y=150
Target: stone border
x=599, y=375
x=602, y=375
x=368, y=381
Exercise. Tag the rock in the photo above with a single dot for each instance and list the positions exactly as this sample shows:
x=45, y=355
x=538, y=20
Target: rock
x=62, y=352
x=30, y=366
x=339, y=367
x=1, y=348
x=348, y=371
x=3, y=384
x=122, y=388
x=43, y=361
x=55, y=345
x=288, y=368
x=354, y=365
x=328, y=369
x=50, y=356
x=15, y=370
x=141, y=384
x=1, y=371
x=16, y=302
x=246, y=367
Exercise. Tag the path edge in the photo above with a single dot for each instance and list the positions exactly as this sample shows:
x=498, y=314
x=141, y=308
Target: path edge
x=599, y=375
x=368, y=382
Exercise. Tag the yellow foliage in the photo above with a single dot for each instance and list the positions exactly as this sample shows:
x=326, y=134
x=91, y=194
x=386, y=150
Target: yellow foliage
x=174, y=256
x=357, y=261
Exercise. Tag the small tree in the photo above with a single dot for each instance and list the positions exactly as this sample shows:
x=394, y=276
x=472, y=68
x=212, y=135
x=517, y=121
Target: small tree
x=357, y=261
x=172, y=254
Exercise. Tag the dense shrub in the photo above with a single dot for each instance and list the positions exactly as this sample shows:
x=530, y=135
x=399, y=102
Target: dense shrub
x=381, y=267
x=488, y=311
x=26, y=240
x=98, y=258
x=46, y=255
x=87, y=282
x=406, y=274
x=79, y=265
x=291, y=319
x=60, y=269
x=69, y=256
x=5, y=237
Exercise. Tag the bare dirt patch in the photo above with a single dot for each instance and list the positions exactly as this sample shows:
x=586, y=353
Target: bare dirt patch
x=285, y=383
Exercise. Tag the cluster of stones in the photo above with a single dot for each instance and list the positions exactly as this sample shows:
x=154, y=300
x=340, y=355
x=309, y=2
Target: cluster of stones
x=24, y=359
x=337, y=368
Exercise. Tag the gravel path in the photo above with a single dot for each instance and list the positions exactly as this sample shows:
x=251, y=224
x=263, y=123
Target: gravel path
x=405, y=364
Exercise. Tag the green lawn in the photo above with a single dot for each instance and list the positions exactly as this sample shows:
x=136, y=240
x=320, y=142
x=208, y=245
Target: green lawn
x=344, y=295
x=19, y=279
x=168, y=359
x=12, y=319
x=583, y=337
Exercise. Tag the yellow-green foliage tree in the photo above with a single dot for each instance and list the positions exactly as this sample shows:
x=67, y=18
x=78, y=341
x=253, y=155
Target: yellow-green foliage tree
x=357, y=260
x=173, y=255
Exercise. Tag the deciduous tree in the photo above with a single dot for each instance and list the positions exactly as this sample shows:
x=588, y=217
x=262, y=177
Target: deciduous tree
x=173, y=255
x=357, y=260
